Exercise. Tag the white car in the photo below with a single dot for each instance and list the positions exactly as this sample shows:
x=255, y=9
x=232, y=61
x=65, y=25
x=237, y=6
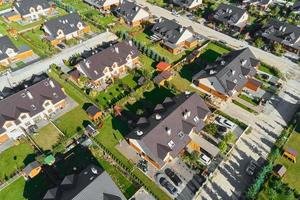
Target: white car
x=225, y=122
x=204, y=159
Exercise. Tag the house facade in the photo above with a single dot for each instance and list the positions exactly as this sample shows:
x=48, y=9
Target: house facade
x=262, y=4
x=9, y=53
x=30, y=10
x=103, y=4
x=283, y=33
x=110, y=63
x=164, y=135
x=132, y=13
x=231, y=16
x=173, y=36
x=65, y=28
x=229, y=74
x=21, y=110
x=188, y=4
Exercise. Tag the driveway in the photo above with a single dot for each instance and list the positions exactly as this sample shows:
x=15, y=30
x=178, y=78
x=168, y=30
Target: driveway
x=43, y=65
x=230, y=180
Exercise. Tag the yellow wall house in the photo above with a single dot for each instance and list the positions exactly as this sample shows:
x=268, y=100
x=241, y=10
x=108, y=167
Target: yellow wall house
x=32, y=169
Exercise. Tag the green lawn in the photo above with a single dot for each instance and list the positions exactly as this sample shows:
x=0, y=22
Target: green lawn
x=208, y=55
x=15, y=158
x=248, y=99
x=47, y=137
x=243, y=106
x=72, y=122
x=293, y=173
x=269, y=70
x=5, y=6
x=160, y=3
x=147, y=63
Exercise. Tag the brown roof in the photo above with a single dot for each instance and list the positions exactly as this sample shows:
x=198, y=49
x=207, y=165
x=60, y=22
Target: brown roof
x=30, y=100
x=177, y=121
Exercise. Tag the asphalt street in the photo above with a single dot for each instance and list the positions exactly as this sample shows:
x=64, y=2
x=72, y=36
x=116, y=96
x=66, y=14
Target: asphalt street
x=43, y=65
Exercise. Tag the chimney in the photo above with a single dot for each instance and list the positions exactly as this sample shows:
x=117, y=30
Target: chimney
x=117, y=50
x=87, y=63
x=180, y=29
x=130, y=43
x=168, y=130
x=157, y=116
x=136, y=8
x=51, y=84
x=29, y=95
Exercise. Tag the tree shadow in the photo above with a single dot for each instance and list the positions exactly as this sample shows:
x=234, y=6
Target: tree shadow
x=86, y=105
x=29, y=158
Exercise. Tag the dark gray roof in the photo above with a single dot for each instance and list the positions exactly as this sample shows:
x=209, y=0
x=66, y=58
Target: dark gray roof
x=128, y=10
x=281, y=32
x=162, y=76
x=168, y=30
x=92, y=110
x=93, y=183
x=96, y=3
x=183, y=3
x=231, y=69
x=31, y=166
x=23, y=6
x=296, y=6
x=68, y=24
x=6, y=43
x=228, y=14
x=30, y=100
x=177, y=120
x=93, y=66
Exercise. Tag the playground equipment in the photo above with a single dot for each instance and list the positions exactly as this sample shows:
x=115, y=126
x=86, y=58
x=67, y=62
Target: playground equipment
x=290, y=154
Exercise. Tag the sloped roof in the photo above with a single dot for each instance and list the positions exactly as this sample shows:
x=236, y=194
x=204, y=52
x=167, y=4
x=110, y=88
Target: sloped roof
x=92, y=110
x=93, y=66
x=23, y=6
x=231, y=70
x=229, y=13
x=184, y=3
x=178, y=118
x=30, y=100
x=96, y=3
x=6, y=43
x=296, y=6
x=168, y=30
x=31, y=166
x=128, y=10
x=67, y=23
x=281, y=32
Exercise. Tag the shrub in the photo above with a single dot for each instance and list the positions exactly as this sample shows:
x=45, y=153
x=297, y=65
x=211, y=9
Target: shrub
x=223, y=146
x=212, y=129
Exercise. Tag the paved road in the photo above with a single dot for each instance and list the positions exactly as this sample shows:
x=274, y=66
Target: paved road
x=283, y=64
x=43, y=65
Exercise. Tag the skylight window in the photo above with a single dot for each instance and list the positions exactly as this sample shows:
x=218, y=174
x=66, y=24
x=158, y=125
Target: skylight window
x=171, y=144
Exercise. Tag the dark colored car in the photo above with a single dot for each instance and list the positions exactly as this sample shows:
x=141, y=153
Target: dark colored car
x=61, y=46
x=174, y=178
x=166, y=184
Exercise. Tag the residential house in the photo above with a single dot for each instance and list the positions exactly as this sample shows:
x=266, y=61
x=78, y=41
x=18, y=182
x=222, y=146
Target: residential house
x=229, y=74
x=283, y=33
x=296, y=7
x=20, y=111
x=110, y=63
x=132, y=13
x=188, y=4
x=94, y=112
x=162, y=77
x=173, y=36
x=164, y=135
x=9, y=53
x=29, y=10
x=92, y=183
x=103, y=4
x=32, y=169
x=231, y=16
x=263, y=4
x=65, y=28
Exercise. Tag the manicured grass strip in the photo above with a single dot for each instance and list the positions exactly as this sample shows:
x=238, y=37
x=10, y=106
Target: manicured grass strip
x=243, y=106
x=248, y=99
x=270, y=70
x=14, y=159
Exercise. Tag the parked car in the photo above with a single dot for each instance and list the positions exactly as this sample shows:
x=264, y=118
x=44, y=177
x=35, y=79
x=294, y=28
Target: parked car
x=251, y=168
x=222, y=130
x=174, y=178
x=166, y=184
x=61, y=46
x=204, y=159
x=225, y=122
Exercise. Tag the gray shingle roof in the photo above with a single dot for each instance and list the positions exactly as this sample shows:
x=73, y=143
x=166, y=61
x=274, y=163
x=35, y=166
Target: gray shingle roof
x=128, y=10
x=88, y=185
x=96, y=3
x=30, y=100
x=177, y=121
x=296, y=6
x=283, y=33
x=231, y=69
x=184, y=3
x=23, y=6
x=31, y=166
x=68, y=24
x=228, y=14
x=168, y=30
x=6, y=43
x=107, y=57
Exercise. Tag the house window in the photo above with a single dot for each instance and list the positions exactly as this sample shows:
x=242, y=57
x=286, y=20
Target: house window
x=181, y=134
x=9, y=124
x=27, y=124
x=55, y=95
x=196, y=119
x=171, y=144
x=47, y=104
x=33, y=107
x=23, y=117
